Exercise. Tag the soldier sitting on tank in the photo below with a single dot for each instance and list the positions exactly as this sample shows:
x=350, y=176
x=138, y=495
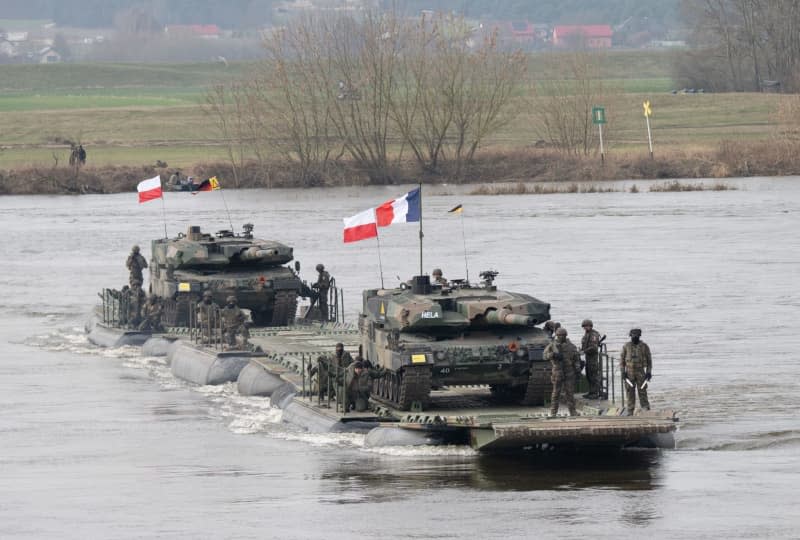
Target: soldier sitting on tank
x=136, y=301
x=359, y=384
x=564, y=358
x=151, y=318
x=438, y=278
x=234, y=324
x=207, y=316
x=136, y=263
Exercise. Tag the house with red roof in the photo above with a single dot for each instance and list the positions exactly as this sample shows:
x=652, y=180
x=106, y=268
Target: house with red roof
x=595, y=36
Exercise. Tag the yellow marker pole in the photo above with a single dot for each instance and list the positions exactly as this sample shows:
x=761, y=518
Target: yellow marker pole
x=647, y=112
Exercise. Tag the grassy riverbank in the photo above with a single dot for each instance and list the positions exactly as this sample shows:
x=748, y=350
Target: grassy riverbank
x=131, y=118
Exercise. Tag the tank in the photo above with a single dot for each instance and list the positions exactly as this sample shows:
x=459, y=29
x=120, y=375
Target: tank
x=183, y=268
x=429, y=336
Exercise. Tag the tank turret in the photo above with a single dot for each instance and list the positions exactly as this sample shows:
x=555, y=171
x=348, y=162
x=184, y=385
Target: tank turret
x=225, y=263
x=428, y=336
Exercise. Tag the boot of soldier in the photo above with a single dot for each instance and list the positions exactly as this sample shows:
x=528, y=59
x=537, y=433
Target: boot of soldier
x=573, y=412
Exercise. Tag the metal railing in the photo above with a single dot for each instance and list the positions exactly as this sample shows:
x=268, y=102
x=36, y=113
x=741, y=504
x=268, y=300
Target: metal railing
x=115, y=307
x=332, y=372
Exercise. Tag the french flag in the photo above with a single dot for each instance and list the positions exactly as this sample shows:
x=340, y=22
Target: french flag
x=360, y=226
x=149, y=189
x=403, y=210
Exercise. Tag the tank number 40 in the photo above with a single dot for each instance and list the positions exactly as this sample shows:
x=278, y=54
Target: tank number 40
x=430, y=315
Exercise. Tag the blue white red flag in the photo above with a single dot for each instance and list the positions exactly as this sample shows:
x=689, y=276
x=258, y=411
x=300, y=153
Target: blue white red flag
x=405, y=209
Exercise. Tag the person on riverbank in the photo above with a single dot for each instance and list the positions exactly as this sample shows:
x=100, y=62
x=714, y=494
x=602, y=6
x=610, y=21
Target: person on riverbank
x=590, y=347
x=136, y=263
x=636, y=365
x=564, y=358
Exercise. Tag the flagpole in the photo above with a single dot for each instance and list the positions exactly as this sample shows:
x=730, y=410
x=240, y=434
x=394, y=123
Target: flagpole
x=226, y=208
x=464, y=238
x=420, y=228
x=164, y=212
x=380, y=262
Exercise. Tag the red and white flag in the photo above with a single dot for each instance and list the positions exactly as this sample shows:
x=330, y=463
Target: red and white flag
x=360, y=226
x=149, y=189
x=401, y=210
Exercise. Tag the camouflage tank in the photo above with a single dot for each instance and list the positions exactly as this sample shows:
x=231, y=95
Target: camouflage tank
x=428, y=336
x=226, y=264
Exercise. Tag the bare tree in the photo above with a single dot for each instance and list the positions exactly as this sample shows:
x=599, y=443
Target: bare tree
x=564, y=106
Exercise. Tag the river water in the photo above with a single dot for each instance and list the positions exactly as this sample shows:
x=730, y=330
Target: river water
x=107, y=444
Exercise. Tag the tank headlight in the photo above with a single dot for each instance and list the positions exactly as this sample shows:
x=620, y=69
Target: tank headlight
x=441, y=355
x=522, y=352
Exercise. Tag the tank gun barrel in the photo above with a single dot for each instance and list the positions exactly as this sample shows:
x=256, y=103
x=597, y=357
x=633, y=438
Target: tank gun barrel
x=255, y=253
x=505, y=317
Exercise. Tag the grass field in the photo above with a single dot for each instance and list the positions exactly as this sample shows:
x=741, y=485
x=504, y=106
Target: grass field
x=137, y=114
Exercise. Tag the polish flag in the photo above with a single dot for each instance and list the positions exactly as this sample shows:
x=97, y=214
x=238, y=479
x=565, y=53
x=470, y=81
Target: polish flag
x=360, y=226
x=149, y=189
x=402, y=210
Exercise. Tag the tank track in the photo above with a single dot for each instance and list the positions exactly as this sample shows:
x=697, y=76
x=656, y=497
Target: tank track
x=285, y=308
x=539, y=384
x=403, y=389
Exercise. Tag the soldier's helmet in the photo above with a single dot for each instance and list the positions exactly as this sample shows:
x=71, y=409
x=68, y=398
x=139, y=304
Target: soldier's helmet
x=320, y=267
x=207, y=294
x=587, y=322
x=437, y=272
x=135, y=248
x=561, y=332
x=231, y=299
x=635, y=332
x=340, y=345
x=358, y=365
x=136, y=282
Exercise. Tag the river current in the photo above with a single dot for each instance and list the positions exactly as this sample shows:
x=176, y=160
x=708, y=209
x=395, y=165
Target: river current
x=101, y=443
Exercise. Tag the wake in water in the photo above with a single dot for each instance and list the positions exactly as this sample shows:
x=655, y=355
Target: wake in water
x=244, y=415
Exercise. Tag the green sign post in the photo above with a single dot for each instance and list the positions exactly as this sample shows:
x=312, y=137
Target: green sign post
x=599, y=118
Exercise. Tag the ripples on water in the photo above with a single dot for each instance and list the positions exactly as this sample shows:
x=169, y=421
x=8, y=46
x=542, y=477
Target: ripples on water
x=109, y=442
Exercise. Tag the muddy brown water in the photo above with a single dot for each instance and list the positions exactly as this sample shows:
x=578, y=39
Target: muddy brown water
x=106, y=444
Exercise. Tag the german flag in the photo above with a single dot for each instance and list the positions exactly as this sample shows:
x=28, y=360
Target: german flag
x=209, y=184
x=457, y=210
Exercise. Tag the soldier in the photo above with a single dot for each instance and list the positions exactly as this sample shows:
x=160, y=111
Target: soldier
x=234, y=323
x=359, y=385
x=564, y=357
x=342, y=358
x=590, y=347
x=136, y=301
x=438, y=278
x=637, y=369
x=550, y=327
x=207, y=315
x=152, y=316
x=136, y=263
x=330, y=370
x=322, y=286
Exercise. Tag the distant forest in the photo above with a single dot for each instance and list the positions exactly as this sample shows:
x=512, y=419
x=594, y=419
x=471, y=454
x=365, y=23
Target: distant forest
x=243, y=14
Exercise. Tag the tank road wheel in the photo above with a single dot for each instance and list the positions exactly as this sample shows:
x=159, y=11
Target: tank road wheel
x=539, y=384
x=506, y=393
x=402, y=389
x=285, y=308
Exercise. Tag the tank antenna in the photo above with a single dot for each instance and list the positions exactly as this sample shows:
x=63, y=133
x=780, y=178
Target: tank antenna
x=226, y=208
x=464, y=238
x=164, y=211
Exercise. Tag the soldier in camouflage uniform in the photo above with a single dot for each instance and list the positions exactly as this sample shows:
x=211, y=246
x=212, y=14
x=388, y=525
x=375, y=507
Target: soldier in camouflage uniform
x=590, y=347
x=359, y=385
x=234, y=323
x=637, y=367
x=207, y=315
x=136, y=303
x=565, y=359
x=322, y=286
x=152, y=316
x=329, y=370
x=438, y=278
x=550, y=328
x=136, y=263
